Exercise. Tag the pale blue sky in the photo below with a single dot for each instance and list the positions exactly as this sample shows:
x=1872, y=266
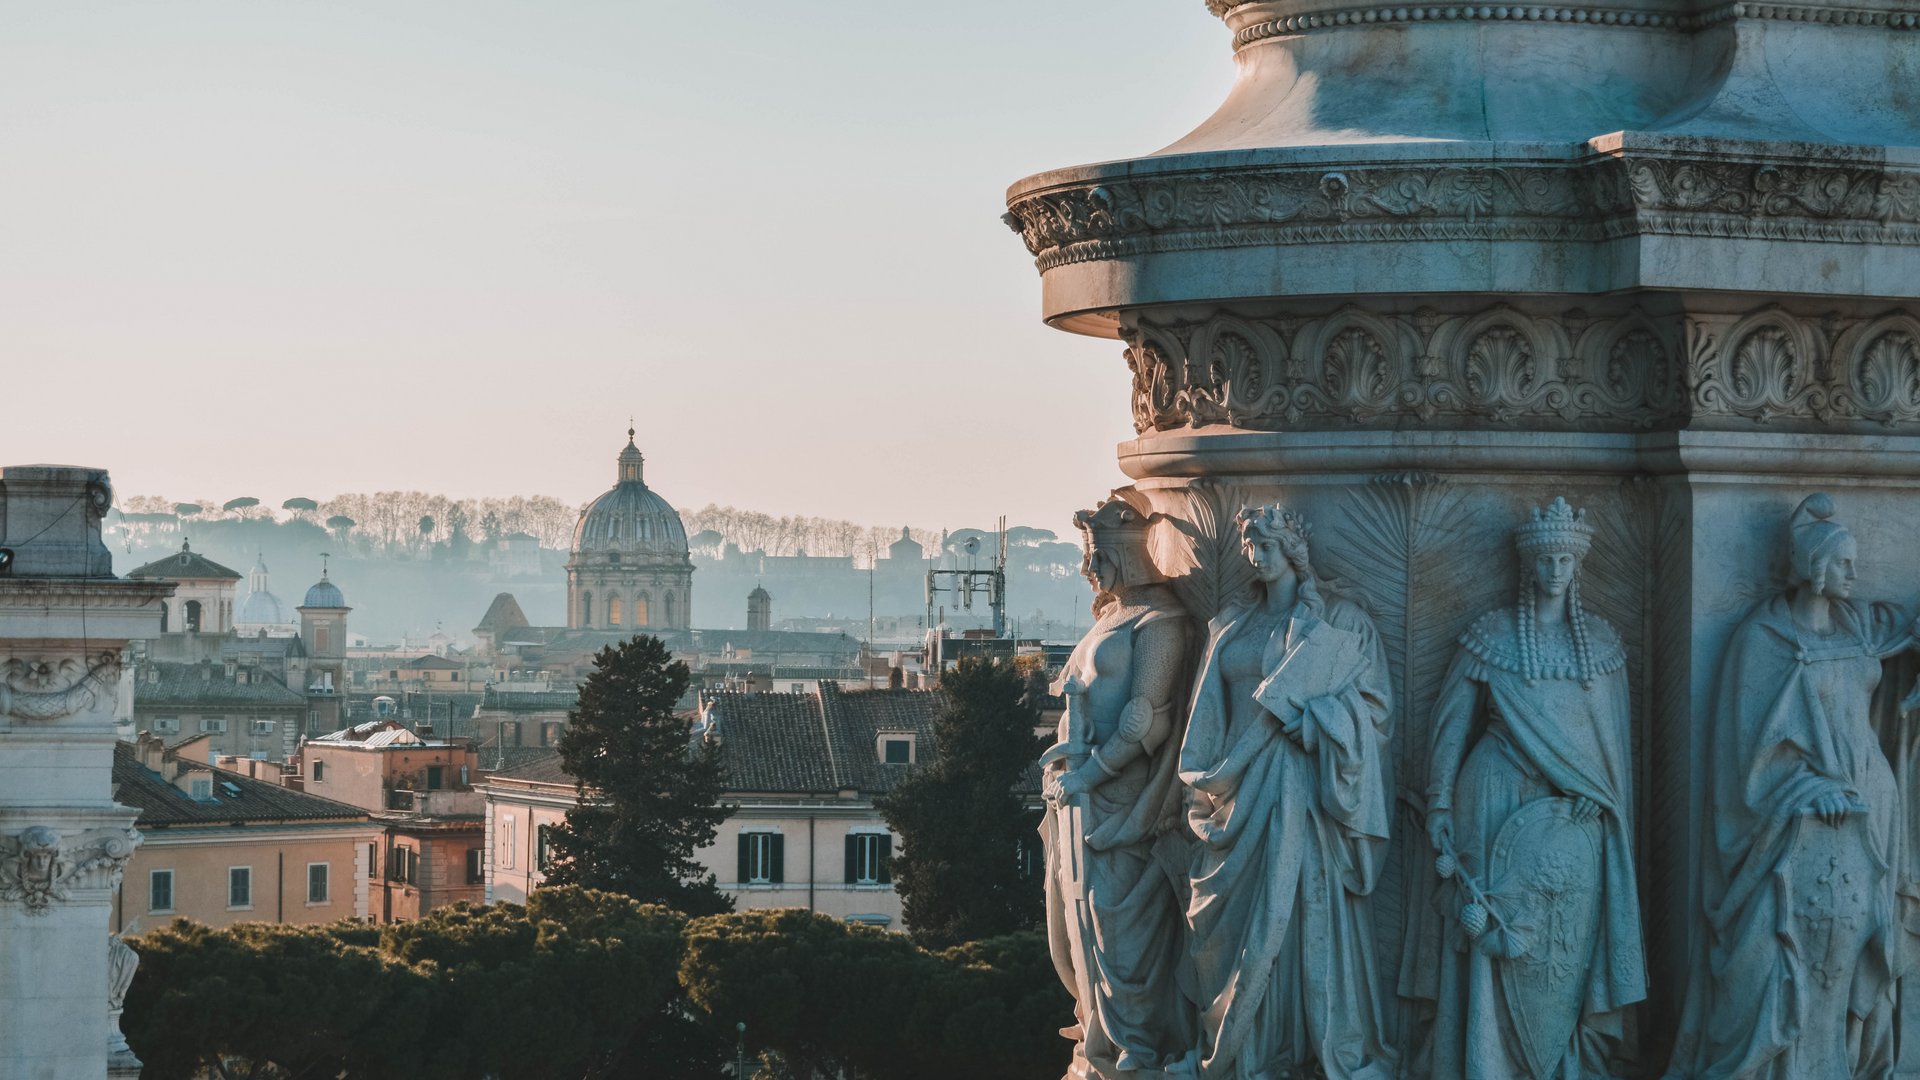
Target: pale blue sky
x=278, y=249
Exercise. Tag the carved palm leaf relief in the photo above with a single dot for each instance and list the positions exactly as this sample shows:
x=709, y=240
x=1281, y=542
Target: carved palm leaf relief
x=1410, y=550
x=1199, y=550
x=1663, y=755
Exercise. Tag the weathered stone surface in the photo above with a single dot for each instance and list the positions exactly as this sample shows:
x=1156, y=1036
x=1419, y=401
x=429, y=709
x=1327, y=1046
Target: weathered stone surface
x=1429, y=267
x=64, y=620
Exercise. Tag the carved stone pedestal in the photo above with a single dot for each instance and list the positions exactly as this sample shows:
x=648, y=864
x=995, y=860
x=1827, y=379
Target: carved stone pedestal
x=1429, y=267
x=64, y=620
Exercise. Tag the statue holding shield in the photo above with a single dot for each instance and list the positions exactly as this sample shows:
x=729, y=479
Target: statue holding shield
x=1529, y=813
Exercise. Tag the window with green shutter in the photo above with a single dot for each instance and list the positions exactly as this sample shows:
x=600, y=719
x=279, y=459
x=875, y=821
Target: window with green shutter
x=868, y=859
x=762, y=858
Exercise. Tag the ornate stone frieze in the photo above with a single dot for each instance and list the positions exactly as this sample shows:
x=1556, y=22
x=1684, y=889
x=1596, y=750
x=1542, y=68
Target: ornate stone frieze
x=1297, y=22
x=1602, y=198
x=40, y=866
x=1501, y=366
x=1771, y=365
x=39, y=689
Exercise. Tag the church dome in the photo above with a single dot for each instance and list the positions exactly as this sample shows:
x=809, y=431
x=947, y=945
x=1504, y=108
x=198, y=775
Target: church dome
x=630, y=519
x=324, y=594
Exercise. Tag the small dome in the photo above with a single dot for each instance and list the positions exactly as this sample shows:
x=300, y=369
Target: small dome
x=630, y=519
x=324, y=594
x=759, y=593
x=262, y=608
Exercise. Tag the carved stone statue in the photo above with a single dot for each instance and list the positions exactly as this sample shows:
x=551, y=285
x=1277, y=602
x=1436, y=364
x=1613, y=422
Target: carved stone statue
x=122, y=961
x=1805, y=843
x=33, y=869
x=1529, y=813
x=1286, y=755
x=1113, y=810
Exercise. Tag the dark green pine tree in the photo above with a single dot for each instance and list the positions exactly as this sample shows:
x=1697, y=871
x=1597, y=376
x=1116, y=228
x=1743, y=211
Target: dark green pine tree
x=649, y=798
x=967, y=836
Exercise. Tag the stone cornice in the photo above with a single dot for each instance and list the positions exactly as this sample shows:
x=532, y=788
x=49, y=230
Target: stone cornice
x=1603, y=197
x=1328, y=17
x=79, y=593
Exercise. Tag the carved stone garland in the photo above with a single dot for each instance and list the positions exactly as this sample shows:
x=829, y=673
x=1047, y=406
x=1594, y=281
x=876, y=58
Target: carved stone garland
x=44, y=690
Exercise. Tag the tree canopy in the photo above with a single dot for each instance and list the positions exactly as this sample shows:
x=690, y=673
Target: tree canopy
x=649, y=799
x=964, y=830
x=830, y=999
x=575, y=984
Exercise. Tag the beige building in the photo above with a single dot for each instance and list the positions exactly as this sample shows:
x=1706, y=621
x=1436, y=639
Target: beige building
x=420, y=792
x=804, y=769
x=222, y=848
x=202, y=601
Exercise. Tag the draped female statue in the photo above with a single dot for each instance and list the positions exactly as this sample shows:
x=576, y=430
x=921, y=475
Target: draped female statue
x=1286, y=756
x=1113, y=805
x=1529, y=810
x=1810, y=911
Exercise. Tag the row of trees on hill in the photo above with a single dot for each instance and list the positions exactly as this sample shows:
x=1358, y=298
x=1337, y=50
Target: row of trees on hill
x=387, y=521
x=410, y=522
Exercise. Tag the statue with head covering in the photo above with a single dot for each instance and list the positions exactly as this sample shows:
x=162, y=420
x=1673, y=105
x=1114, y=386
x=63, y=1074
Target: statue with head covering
x=1286, y=755
x=1537, y=957
x=1807, y=900
x=1115, y=866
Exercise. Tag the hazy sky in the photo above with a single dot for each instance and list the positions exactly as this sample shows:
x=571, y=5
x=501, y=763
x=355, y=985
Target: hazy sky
x=277, y=249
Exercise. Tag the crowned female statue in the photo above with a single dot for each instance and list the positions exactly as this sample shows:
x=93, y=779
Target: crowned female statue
x=1286, y=755
x=1113, y=804
x=1529, y=810
x=1809, y=907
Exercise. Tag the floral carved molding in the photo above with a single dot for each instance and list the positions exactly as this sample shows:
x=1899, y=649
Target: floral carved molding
x=1600, y=199
x=1500, y=366
x=43, y=690
x=1322, y=18
x=40, y=866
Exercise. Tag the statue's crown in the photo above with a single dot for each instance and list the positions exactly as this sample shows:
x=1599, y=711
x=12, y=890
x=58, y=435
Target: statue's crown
x=1117, y=520
x=1559, y=527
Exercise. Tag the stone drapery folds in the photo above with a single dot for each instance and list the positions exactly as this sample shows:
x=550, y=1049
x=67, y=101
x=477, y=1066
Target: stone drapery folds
x=1228, y=893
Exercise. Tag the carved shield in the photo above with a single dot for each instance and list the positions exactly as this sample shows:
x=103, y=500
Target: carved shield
x=1544, y=879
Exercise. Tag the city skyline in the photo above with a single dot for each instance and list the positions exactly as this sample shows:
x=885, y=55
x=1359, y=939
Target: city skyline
x=323, y=249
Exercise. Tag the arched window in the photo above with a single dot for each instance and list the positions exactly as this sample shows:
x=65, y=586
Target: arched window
x=193, y=616
x=613, y=611
x=586, y=609
x=671, y=621
x=642, y=610
x=163, y=616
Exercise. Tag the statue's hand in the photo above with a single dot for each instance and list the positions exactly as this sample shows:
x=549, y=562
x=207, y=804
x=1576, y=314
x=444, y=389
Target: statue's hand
x=1440, y=829
x=1292, y=724
x=1585, y=809
x=1833, y=807
x=1061, y=786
